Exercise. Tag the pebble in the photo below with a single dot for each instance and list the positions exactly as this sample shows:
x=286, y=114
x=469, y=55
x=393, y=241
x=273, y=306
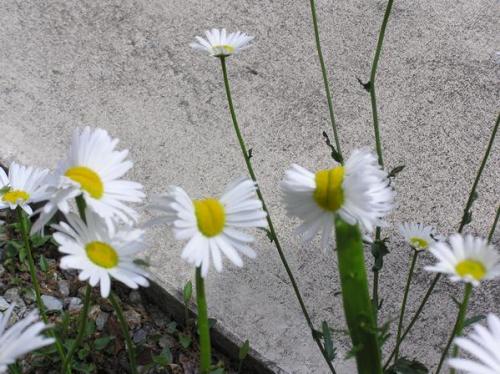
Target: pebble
x=74, y=304
x=101, y=320
x=52, y=303
x=139, y=336
x=2, y=270
x=135, y=297
x=63, y=287
x=133, y=318
x=167, y=341
x=4, y=305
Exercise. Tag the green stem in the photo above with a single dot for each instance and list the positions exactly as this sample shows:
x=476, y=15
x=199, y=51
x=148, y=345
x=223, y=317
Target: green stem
x=325, y=77
x=459, y=325
x=494, y=226
x=376, y=273
x=403, y=305
x=203, y=326
x=123, y=324
x=23, y=223
x=468, y=205
x=272, y=231
x=81, y=328
x=356, y=298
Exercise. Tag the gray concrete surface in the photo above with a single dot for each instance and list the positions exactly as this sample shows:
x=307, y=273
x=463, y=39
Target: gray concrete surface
x=126, y=66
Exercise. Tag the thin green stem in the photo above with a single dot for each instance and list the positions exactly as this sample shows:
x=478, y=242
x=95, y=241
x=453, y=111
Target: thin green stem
x=123, y=324
x=468, y=205
x=325, y=77
x=403, y=305
x=376, y=274
x=494, y=226
x=81, y=329
x=272, y=231
x=23, y=223
x=459, y=325
x=203, y=326
x=373, y=75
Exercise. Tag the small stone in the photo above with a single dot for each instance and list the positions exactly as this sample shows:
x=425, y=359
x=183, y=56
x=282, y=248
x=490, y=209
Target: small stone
x=94, y=311
x=139, y=336
x=29, y=296
x=167, y=341
x=63, y=287
x=52, y=303
x=2, y=270
x=133, y=318
x=4, y=305
x=101, y=320
x=135, y=297
x=12, y=295
x=74, y=304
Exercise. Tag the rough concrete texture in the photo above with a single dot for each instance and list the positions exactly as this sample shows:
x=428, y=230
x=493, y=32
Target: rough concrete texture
x=126, y=66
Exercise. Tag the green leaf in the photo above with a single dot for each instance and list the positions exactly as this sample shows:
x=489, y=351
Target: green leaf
x=244, y=349
x=141, y=262
x=334, y=153
x=184, y=340
x=38, y=240
x=172, y=327
x=187, y=292
x=211, y=322
x=379, y=250
x=164, y=358
x=327, y=338
x=405, y=366
x=472, y=320
x=102, y=342
x=396, y=171
x=44, y=265
x=89, y=328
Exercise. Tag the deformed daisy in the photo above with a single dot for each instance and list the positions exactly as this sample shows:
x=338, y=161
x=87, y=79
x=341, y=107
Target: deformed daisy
x=93, y=168
x=100, y=252
x=213, y=225
x=218, y=43
x=22, y=337
x=358, y=192
x=417, y=235
x=466, y=258
x=23, y=185
x=484, y=344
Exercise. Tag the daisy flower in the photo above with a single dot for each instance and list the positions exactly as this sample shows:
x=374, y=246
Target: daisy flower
x=466, y=258
x=21, y=338
x=100, y=252
x=417, y=235
x=23, y=185
x=218, y=43
x=93, y=168
x=213, y=225
x=484, y=344
x=358, y=192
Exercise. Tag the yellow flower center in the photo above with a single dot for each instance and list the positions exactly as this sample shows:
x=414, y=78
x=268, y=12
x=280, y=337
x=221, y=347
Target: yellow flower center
x=15, y=196
x=102, y=254
x=418, y=243
x=223, y=48
x=210, y=216
x=88, y=180
x=472, y=268
x=329, y=193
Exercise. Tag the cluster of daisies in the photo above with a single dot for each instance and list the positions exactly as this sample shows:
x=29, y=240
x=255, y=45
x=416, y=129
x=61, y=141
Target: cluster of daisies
x=101, y=239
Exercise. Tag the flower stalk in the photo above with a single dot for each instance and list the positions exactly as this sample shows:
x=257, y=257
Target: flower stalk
x=325, y=77
x=123, y=324
x=459, y=325
x=403, y=305
x=356, y=298
x=24, y=228
x=203, y=326
x=271, y=232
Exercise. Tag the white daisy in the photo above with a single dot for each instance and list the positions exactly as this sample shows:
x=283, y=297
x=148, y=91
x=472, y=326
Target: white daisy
x=358, y=192
x=100, y=252
x=218, y=43
x=484, y=344
x=93, y=168
x=417, y=235
x=21, y=338
x=466, y=258
x=23, y=185
x=212, y=225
